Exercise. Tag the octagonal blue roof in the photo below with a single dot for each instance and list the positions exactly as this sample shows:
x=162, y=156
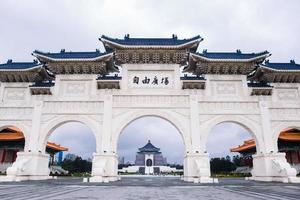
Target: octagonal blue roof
x=149, y=147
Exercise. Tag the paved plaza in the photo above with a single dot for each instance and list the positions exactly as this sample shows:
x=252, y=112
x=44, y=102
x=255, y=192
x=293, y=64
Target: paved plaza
x=157, y=188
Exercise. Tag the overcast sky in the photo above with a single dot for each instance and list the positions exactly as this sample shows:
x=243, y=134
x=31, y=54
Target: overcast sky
x=225, y=25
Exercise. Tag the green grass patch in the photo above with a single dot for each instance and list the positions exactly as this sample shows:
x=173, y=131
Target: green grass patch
x=231, y=175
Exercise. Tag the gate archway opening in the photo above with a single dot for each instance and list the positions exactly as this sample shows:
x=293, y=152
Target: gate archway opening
x=230, y=146
x=150, y=145
x=288, y=142
x=12, y=141
x=72, y=145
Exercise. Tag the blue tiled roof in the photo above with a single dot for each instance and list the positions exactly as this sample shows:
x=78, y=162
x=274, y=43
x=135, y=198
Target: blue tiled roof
x=192, y=78
x=231, y=55
x=109, y=78
x=283, y=66
x=259, y=84
x=71, y=55
x=149, y=147
x=19, y=65
x=150, y=41
x=43, y=84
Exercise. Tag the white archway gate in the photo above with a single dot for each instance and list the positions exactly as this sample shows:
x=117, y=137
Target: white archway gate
x=218, y=87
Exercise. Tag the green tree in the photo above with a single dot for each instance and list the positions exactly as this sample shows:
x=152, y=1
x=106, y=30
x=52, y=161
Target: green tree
x=222, y=165
x=77, y=166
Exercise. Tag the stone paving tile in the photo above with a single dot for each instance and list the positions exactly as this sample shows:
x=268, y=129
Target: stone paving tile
x=145, y=193
x=148, y=189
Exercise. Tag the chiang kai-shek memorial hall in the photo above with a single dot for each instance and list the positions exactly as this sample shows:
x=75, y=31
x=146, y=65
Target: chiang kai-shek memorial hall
x=149, y=160
x=162, y=77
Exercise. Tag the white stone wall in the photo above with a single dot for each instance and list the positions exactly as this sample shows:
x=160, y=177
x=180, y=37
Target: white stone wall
x=107, y=112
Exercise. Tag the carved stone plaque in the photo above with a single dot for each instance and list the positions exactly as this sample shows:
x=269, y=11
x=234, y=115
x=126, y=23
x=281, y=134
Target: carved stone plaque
x=13, y=94
x=226, y=88
x=287, y=95
x=150, y=79
x=75, y=88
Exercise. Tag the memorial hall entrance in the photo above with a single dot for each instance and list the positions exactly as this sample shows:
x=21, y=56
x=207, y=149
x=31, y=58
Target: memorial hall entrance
x=166, y=78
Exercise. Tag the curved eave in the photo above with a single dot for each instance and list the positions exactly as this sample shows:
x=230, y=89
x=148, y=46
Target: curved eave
x=17, y=138
x=197, y=56
x=289, y=139
x=47, y=58
x=243, y=148
x=56, y=147
x=40, y=87
x=22, y=70
x=261, y=88
x=277, y=70
x=149, y=150
x=115, y=44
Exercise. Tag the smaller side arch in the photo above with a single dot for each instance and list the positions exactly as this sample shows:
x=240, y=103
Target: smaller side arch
x=278, y=128
x=255, y=129
x=48, y=129
x=24, y=128
x=20, y=125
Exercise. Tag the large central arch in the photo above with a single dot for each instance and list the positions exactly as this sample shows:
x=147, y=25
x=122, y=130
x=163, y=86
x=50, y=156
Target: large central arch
x=171, y=117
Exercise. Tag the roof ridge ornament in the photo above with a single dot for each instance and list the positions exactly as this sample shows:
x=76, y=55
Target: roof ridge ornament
x=238, y=51
x=204, y=51
x=127, y=36
x=9, y=61
x=174, y=36
x=292, y=61
x=62, y=51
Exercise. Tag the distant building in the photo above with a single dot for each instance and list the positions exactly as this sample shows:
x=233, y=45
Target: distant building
x=288, y=142
x=149, y=160
x=12, y=141
x=71, y=157
x=147, y=157
x=121, y=160
x=59, y=157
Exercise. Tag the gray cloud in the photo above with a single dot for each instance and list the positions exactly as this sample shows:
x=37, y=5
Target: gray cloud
x=76, y=25
x=77, y=137
x=225, y=136
x=226, y=25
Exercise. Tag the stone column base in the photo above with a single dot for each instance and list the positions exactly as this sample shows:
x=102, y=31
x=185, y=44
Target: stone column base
x=200, y=179
x=105, y=168
x=197, y=168
x=28, y=166
x=273, y=167
x=23, y=178
x=103, y=179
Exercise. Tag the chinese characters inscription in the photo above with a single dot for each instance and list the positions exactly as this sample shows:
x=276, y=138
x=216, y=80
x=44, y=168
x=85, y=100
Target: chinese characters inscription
x=154, y=81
